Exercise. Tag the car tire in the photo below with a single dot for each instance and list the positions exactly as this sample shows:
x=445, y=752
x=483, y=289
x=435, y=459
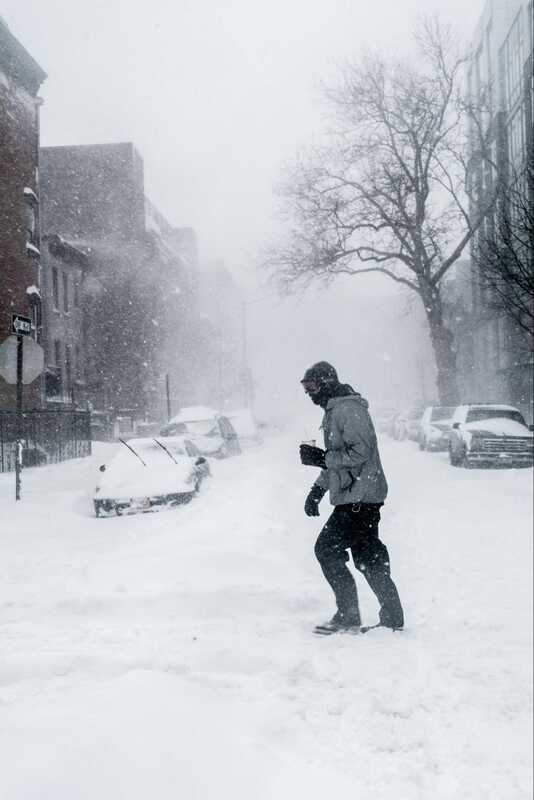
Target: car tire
x=465, y=461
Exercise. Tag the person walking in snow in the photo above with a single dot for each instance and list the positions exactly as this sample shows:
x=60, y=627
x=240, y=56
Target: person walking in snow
x=352, y=472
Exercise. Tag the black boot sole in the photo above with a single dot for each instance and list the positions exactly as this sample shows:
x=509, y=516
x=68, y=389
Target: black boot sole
x=367, y=628
x=320, y=631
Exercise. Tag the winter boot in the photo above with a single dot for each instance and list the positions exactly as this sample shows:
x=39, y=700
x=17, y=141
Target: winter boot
x=339, y=623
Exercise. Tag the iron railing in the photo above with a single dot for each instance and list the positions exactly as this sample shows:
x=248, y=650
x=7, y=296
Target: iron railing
x=48, y=436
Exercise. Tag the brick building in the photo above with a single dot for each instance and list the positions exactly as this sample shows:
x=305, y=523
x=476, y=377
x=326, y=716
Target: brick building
x=20, y=79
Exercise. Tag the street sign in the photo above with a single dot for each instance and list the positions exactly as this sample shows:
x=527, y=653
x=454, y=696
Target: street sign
x=33, y=360
x=20, y=324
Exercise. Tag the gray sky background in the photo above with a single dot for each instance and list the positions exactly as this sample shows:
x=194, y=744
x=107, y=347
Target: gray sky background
x=217, y=96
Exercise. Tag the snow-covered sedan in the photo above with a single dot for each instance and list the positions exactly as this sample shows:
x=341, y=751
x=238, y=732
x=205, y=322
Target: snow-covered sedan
x=149, y=475
x=434, y=427
x=488, y=434
x=212, y=433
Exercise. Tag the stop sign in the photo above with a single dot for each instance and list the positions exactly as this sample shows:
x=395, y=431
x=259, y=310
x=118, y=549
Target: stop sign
x=32, y=359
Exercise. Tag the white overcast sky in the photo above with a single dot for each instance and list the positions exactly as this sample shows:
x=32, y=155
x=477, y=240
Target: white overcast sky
x=216, y=94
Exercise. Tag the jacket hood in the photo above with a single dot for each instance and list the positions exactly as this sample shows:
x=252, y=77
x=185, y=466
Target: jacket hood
x=352, y=396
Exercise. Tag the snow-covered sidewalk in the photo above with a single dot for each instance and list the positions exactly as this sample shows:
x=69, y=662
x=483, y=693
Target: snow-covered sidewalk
x=170, y=655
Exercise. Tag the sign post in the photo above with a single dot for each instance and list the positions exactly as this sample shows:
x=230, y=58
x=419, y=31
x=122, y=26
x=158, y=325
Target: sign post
x=21, y=326
x=18, y=457
x=21, y=361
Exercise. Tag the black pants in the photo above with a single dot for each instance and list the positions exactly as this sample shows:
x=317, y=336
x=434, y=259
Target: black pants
x=355, y=527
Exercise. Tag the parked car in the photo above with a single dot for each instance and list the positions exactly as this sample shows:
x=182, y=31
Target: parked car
x=383, y=419
x=406, y=424
x=245, y=426
x=149, y=475
x=488, y=434
x=213, y=433
x=434, y=427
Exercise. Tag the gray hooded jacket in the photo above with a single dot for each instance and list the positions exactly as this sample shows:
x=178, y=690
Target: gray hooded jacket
x=354, y=472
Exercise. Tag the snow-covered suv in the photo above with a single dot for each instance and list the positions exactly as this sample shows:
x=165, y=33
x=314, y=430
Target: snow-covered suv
x=488, y=434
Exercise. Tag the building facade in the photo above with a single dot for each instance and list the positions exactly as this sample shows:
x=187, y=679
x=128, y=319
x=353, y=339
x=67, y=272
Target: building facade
x=20, y=79
x=120, y=287
x=501, y=74
x=65, y=268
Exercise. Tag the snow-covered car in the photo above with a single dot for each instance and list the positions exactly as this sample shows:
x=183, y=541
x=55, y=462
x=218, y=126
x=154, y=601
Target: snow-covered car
x=213, y=433
x=407, y=424
x=245, y=426
x=384, y=419
x=434, y=427
x=149, y=475
x=488, y=434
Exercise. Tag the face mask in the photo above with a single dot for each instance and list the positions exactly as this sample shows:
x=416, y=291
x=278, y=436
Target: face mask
x=317, y=392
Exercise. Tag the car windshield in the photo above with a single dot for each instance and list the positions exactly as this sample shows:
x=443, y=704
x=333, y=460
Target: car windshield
x=479, y=414
x=441, y=412
x=150, y=451
x=202, y=427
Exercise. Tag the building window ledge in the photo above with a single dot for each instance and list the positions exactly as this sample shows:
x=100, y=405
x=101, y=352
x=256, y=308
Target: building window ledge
x=32, y=250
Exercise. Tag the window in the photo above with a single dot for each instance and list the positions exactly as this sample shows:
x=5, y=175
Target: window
x=30, y=222
x=68, y=367
x=53, y=384
x=513, y=61
x=31, y=227
x=516, y=137
x=76, y=293
x=36, y=313
x=57, y=353
x=55, y=287
x=65, y=292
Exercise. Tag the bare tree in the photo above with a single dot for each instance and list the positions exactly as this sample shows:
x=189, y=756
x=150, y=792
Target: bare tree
x=504, y=254
x=389, y=193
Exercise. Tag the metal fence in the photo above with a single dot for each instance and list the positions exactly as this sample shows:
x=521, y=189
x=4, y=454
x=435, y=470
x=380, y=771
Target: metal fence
x=48, y=436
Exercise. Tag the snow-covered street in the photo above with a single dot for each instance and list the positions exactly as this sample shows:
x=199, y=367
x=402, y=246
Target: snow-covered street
x=171, y=655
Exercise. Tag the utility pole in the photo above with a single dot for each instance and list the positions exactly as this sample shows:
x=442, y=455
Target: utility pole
x=168, y=393
x=244, y=371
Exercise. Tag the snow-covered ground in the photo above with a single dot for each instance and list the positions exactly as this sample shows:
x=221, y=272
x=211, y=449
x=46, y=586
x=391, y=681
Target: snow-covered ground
x=171, y=656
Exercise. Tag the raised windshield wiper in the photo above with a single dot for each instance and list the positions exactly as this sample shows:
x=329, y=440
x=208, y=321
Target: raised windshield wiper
x=133, y=451
x=166, y=450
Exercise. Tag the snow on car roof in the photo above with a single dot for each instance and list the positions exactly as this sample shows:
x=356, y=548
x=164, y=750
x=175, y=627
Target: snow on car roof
x=498, y=406
x=491, y=406
x=195, y=414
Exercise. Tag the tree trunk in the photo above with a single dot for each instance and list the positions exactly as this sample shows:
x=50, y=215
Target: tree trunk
x=443, y=345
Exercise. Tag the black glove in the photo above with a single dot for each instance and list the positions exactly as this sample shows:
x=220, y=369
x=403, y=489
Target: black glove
x=311, y=504
x=312, y=456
